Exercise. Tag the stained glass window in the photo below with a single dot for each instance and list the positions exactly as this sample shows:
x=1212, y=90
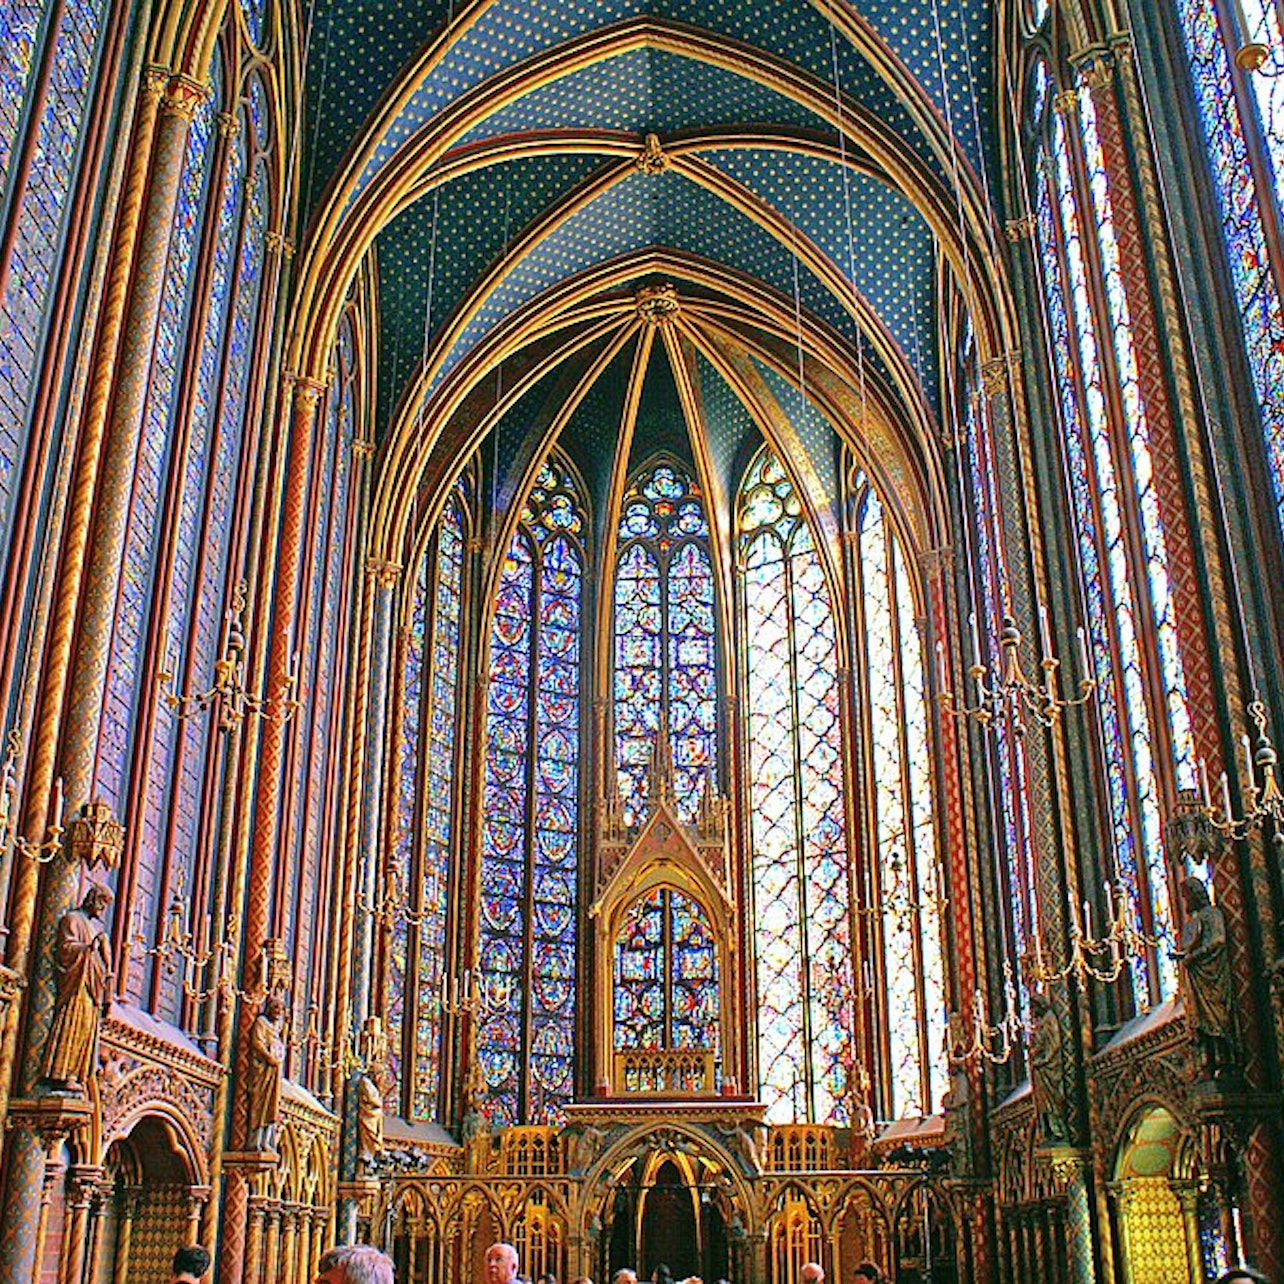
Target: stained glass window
x=38, y=214
x=666, y=976
x=1243, y=216
x=177, y=581
x=901, y=822
x=1131, y=628
x=424, y=818
x=665, y=646
x=530, y=841
x=803, y=941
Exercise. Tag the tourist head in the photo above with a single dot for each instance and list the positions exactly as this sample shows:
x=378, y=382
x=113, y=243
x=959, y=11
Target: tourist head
x=354, y=1264
x=190, y=1264
x=867, y=1273
x=625, y=1275
x=812, y=1273
x=501, y=1264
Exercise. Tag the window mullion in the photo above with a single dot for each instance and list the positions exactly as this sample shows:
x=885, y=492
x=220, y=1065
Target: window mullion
x=532, y=808
x=800, y=862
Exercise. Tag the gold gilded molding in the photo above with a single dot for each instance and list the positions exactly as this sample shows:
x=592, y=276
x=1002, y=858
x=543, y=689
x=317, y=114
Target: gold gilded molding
x=278, y=243
x=229, y=124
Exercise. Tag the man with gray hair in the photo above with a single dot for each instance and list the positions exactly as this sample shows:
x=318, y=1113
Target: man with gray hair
x=500, y=1264
x=354, y=1264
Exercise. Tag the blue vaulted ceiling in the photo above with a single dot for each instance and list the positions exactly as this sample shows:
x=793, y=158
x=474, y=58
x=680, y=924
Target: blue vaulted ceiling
x=356, y=48
x=530, y=105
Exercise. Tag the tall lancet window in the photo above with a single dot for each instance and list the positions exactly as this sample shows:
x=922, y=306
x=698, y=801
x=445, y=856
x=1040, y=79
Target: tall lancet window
x=665, y=651
x=1246, y=158
x=901, y=830
x=36, y=210
x=1123, y=560
x=424, y=817
x=530, y=835
x=801, y=880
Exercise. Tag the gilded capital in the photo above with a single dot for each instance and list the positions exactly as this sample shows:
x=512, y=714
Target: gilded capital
x=278, y=243
x=1066, y=103
x=384, y=573
x=229, y=124
x=155, y=79
x=996, y=371
x=933, y=561
x=362, y=448
x=183, y=96
x=1019, y=229
x=307, y=391
x=1096, y=66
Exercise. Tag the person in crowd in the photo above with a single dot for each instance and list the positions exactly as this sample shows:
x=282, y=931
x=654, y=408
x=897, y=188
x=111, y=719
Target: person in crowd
x=868, y=1273
x=354, y=1264
x=625, y=1275
x=812, y=1273
x=190, y=1264
x=500, y=1264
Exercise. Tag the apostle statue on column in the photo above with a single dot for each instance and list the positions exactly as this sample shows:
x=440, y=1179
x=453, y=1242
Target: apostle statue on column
x=82, y=964
x=263, y=1070
x=1206, y=977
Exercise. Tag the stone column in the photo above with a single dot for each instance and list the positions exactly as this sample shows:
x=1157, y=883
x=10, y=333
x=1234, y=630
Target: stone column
x=299, y=408
x=272, y=1217
x=125, y=1234
x=382, y=582
x=289, y=1244
x=98, y=1206
x=83, y=1182
x=84, y=612
x=1073, y=1170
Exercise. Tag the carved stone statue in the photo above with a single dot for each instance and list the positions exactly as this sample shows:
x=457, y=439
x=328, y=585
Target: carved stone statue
x=263, y=1070
x=369, y=1120
x=1206, y=977
x=82, y=962
x=1045, y=1071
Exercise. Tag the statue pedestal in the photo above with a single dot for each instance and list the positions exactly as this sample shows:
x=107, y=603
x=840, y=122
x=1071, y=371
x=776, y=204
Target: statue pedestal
x=251, y=1162
x=53, y=1117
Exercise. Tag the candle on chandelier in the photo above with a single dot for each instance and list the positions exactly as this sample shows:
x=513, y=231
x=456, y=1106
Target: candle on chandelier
x=1226, y=798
